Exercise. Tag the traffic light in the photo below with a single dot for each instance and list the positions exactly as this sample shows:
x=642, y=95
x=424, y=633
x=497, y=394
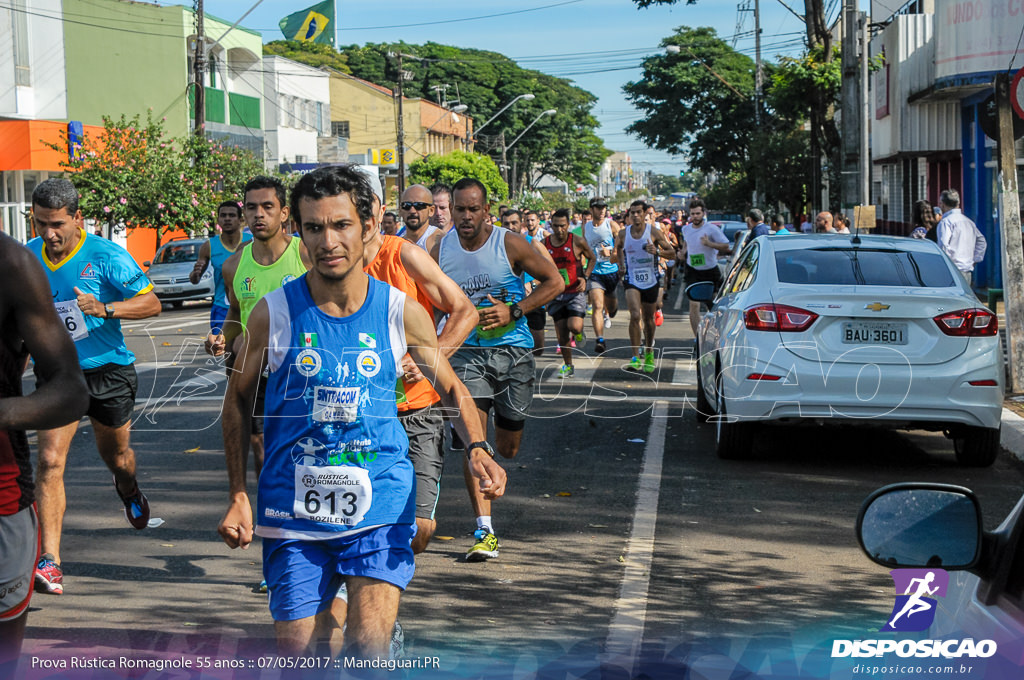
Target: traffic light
x=682, y=173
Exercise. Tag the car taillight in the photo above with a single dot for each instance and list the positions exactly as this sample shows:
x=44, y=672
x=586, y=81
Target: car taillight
x=970, y=323
x=781, y=318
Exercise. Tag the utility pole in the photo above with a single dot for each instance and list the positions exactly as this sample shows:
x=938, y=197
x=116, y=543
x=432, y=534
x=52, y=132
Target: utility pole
x=758, y=88
x=401, y=130
x=199, y=71
x=865, y=111
x=850, y=186
x=1009, y=222
x=504, y=158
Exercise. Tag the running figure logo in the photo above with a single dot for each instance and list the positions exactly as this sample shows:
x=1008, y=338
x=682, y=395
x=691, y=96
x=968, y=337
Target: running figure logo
x=914, y=609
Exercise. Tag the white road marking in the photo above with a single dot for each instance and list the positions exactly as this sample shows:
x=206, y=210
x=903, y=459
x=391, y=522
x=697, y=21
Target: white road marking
x=679, y=298
x=625, y=634
x=685, y=373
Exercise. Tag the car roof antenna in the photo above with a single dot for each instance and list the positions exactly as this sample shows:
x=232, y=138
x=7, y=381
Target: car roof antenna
x=856, y=233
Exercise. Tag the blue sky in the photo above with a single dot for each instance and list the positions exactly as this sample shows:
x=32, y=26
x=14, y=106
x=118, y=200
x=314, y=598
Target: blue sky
x=606, y=39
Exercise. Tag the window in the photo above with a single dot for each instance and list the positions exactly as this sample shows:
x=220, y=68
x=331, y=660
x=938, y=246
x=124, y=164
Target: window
x=19, y=19
x=339, y=128
x=863, y=266
x=743, y=275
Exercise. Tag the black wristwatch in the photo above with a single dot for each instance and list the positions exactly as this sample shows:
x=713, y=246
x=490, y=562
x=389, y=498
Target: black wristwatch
x=480, y=445
x=109, y=310
x=516, y=311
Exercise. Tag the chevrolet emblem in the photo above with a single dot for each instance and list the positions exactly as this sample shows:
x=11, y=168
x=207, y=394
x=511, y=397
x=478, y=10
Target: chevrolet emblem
x=876, y=306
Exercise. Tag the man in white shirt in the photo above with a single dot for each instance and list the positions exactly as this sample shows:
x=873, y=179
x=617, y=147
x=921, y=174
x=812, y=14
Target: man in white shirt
x=958, y=236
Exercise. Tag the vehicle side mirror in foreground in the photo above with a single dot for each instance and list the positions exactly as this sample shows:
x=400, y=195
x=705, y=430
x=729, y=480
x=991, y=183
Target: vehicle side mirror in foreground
x=146, y=263
x=702, y=291
x=921, y=525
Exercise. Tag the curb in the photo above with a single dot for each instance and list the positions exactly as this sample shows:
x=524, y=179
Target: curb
x=1012, y=437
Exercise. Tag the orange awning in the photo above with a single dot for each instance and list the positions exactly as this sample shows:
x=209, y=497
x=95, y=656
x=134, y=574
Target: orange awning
x=22, y=147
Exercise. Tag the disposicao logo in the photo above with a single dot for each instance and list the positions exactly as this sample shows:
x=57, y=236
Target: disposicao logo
x=916, y=590
x=914, y=611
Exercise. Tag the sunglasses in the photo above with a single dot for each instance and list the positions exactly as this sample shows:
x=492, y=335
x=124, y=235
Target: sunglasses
x=414, y=205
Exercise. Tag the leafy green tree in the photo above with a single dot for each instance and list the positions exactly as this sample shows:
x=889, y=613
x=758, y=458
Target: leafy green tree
x=691, y=110
x=132, y=175
x=313, y=54
x=456, y=165
x=564, y=145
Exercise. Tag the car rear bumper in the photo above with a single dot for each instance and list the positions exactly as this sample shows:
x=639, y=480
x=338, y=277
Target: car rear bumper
x=884, y=396
x=178, y=292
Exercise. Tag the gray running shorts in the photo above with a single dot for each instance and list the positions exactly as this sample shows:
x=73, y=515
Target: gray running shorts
x=501, y=377
x=425, y=428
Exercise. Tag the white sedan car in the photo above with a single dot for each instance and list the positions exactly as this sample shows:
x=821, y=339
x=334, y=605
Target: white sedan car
x=872, y=330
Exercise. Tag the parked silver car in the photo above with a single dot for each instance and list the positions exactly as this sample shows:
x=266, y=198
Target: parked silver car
x=170, y=269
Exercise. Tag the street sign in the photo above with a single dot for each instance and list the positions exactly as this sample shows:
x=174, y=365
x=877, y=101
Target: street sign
x=1017, y=92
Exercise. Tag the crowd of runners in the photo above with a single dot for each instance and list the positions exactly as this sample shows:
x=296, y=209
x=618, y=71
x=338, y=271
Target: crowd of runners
x=350, y=335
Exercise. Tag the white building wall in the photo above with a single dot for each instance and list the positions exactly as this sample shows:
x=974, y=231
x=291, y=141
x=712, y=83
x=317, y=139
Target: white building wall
x=45, y=97
x=296, y=110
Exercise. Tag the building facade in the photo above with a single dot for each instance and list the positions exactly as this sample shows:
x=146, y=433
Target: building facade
x=297, y=112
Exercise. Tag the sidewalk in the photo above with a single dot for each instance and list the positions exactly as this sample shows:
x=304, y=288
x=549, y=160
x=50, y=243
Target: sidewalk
x=1012, y=437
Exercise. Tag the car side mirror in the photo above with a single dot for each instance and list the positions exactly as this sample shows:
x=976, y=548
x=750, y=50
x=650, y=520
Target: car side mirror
x=921, y=525
x=702, y=291
x=147, y=263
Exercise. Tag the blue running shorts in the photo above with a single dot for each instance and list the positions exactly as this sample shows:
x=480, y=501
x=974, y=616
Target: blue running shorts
x=218, y=314
x=303, y=576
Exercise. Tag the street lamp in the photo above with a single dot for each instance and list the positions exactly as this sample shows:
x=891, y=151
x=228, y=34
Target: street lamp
x=504, y=151
x=528, y=96
x=549, y=112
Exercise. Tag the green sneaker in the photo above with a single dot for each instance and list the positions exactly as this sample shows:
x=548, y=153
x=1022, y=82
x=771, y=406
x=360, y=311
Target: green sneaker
x=566, y=371
x=580, y=338
x=649, y=362
x=485, y=548
x=634, y=365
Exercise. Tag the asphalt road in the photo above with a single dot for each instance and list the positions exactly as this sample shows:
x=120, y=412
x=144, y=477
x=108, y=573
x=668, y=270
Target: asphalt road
x=624, y=537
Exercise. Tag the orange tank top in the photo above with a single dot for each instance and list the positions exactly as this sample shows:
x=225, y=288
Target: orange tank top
x=388, y=267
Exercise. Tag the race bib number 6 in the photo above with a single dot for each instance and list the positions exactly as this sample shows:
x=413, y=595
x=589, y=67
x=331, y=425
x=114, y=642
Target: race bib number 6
x=72, y=318
x=338, y=494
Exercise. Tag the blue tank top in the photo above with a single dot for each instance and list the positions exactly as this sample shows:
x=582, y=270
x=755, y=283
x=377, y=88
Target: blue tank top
x=486, y=271
x=218, y=256
x=336, y=454
x=105, y=270
x=601, y=240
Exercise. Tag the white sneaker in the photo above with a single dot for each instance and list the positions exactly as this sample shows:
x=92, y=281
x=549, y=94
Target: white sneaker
x=607, y=320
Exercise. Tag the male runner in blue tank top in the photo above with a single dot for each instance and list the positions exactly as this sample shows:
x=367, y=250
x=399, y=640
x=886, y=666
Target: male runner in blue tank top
x=496, y=361
x=336, y=500
x=215, y=253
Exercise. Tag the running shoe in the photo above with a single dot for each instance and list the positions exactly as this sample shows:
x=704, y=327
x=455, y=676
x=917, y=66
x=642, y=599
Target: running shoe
x=136, y=507
x=558, y=349
x=580, y=338
x=634, y=365
x=659, y=318
x=599, y=345
x=263, y=586
x=572, y=343
x=566, y=371
x=607, y=320
x=485, y=548
x=649, y=362
x=590, y=310
x=49, y=576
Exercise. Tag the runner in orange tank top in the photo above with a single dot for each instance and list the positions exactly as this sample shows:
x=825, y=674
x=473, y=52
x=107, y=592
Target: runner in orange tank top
x=409, y=268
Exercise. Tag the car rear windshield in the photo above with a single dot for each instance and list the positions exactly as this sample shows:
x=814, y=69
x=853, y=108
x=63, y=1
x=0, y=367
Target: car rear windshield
x=172, y=254
x=863, y=267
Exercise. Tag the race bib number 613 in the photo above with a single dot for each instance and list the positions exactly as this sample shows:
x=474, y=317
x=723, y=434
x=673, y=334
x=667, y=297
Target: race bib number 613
x=335, y=494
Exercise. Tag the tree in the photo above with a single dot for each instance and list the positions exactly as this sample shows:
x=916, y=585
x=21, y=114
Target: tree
x=313, y=54
x=820, y=103
x=564, y=145
x=452, y=167
x=689, y=108
x=131, y=175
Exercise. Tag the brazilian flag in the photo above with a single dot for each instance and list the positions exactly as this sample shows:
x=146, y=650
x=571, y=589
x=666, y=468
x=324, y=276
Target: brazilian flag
x=313, y=24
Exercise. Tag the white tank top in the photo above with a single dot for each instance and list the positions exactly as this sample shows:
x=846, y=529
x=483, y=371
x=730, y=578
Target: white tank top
x=422, y=243
x=641, y=266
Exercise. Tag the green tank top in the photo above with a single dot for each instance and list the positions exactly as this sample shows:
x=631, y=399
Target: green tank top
x=253, y=280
